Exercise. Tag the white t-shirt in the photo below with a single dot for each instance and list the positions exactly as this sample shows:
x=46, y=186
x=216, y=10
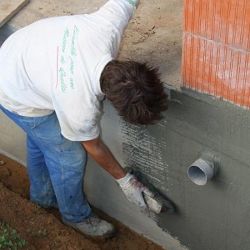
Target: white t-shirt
x=55, y=64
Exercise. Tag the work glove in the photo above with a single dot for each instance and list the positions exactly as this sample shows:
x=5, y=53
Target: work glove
x=134, y=191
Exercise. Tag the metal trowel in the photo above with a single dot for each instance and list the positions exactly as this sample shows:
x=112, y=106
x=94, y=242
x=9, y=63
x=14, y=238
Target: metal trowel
x=156, y=202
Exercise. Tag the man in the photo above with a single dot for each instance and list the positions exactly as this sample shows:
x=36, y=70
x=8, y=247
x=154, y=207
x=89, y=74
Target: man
x=54, y=75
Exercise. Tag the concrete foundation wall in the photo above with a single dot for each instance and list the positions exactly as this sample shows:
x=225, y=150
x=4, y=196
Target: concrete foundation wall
x=210, y=217
x=12, y=140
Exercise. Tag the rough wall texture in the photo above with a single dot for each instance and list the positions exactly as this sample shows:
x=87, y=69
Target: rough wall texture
x=217, y=48
x=213, y=216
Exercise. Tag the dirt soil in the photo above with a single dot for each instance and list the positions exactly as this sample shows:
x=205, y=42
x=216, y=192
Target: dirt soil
x=42, y=229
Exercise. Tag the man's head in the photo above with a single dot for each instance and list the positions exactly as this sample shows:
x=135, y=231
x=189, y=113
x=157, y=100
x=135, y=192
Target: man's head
x=135, y=90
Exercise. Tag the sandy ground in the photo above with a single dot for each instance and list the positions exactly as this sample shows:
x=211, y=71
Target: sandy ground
x=42, y=229
x=154, y=35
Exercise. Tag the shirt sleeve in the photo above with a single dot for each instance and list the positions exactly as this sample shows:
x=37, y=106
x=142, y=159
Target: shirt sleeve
x=113, y=18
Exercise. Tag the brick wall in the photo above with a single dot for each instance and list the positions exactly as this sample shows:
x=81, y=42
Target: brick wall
x=216, y=57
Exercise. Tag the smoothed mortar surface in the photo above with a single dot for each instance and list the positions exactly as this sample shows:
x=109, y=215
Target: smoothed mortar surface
x=208, y=217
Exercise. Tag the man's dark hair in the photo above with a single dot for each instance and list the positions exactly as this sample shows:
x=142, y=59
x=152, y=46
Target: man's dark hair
x=135, y=90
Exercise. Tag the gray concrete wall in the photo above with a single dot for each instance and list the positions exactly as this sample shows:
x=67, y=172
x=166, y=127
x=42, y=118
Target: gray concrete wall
x=12, y=140
x=104, y=193
x=211, y=217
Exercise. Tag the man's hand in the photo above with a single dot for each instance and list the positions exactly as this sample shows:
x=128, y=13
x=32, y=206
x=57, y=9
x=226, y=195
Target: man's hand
x=134, y=190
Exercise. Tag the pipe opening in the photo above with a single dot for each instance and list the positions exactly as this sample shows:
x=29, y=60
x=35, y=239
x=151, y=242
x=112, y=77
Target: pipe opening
x=197, y=175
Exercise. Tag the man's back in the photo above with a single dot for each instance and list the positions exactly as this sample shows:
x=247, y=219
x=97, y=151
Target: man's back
x=56, y=63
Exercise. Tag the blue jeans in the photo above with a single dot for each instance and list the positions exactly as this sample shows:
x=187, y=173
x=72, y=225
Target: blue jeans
x=56, y=166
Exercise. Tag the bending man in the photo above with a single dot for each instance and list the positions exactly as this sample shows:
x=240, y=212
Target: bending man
x=54, y=75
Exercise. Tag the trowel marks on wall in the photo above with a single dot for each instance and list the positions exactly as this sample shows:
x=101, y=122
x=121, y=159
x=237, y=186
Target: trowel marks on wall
x=145, y=153
x=216, y=57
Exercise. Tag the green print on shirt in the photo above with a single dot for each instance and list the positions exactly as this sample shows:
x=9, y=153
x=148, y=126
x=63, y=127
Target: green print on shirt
x=73, y=41
x=68, y=57
x=132, y=2
x=65, y=37
x=62, y=79
x=72, y=66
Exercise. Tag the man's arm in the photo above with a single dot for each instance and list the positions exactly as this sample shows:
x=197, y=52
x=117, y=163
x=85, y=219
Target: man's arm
x=134, y=191
x=103, y=156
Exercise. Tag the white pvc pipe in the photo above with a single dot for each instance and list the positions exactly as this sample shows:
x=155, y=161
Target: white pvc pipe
x=201, y=171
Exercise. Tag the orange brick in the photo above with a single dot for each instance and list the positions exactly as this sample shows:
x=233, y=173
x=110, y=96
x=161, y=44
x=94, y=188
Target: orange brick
x=216, y=69
x=226, y=21
x=216, y=48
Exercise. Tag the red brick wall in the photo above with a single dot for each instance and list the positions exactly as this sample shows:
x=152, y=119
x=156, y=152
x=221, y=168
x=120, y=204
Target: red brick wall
x=216, y=57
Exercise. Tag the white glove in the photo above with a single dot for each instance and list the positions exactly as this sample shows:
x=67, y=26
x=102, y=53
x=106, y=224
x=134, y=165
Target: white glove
x=134, y=190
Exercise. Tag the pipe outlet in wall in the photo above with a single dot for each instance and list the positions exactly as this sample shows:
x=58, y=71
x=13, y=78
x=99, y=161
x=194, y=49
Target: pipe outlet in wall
x=201, y=171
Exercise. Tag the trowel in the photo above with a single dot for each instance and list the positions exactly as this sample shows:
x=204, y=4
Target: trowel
x=156, y=202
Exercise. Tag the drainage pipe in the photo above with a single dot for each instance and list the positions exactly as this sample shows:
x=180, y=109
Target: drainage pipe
x=201, y=171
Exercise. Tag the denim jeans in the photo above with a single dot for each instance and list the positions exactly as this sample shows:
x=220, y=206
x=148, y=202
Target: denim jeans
x=56, y=166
